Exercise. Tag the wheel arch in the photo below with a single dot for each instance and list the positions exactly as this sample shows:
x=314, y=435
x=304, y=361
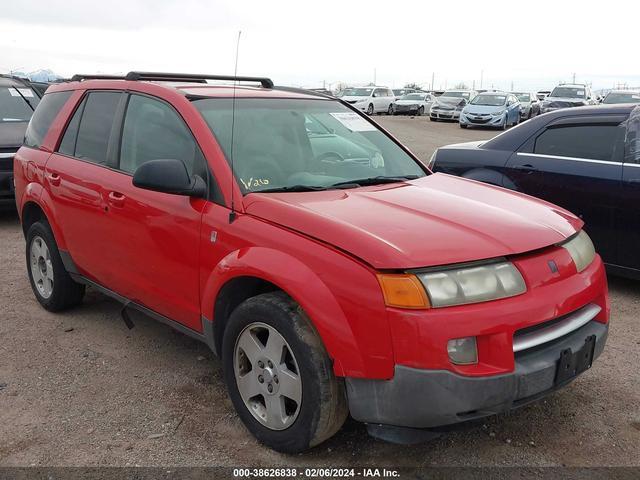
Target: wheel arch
x=249, y=272
x=35, y=205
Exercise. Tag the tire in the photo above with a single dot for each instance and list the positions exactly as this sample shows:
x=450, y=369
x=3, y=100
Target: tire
x=433, y=119
x=420, y=111
x=322, y=408
x=370, y=109
x=51, y=283
x=390, y=110
x=505, y=124
x=462, y=126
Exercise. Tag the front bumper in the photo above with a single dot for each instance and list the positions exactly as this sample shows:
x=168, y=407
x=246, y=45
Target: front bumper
x=445, y=114
x=430, y=398
x=406, y=109
x=486, y=120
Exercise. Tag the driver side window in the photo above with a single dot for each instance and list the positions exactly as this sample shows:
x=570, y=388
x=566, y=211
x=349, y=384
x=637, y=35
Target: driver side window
x=153, y=130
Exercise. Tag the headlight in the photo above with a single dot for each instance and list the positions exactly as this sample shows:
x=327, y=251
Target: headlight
x=499, y=112
x=581, y=250
x=472, y=284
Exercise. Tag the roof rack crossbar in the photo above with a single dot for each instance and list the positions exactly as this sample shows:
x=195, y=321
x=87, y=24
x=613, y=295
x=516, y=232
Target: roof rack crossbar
x=192, y=77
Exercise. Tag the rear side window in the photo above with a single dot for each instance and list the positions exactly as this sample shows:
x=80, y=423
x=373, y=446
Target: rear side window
x=43, y=117
x=153, y=130
x=594, y=142
x=88, y=135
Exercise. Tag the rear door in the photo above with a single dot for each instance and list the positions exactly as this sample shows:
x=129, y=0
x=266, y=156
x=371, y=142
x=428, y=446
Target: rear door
x=576, y=163
x=76, y=173
x=628, y=218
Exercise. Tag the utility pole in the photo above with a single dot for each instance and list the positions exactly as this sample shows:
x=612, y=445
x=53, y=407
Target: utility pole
x=574, y=78
x=374, y=75
x=433, y=79
x=512, y=85
x=481, y=77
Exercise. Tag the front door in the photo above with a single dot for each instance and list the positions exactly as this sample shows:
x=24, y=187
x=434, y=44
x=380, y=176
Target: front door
x=155, y=235
x=628, y=218
x=577, y=164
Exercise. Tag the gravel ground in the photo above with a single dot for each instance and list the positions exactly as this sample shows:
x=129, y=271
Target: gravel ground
x=80, y=389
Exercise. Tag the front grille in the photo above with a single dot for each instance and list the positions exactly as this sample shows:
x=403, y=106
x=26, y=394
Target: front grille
x=475, y=120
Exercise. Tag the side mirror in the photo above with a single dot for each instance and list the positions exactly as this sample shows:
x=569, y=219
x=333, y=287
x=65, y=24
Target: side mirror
x=169, y=176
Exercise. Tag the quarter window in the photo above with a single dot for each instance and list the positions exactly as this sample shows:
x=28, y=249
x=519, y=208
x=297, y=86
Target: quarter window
x=153, y=130
x=595, y=142
x=43, y=117
x=88, y=133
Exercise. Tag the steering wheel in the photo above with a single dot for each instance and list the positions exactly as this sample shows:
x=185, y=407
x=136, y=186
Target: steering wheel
x=330, y=157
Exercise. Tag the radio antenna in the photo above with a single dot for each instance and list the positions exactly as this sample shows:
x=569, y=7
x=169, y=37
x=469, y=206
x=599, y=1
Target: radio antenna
x=232, y=214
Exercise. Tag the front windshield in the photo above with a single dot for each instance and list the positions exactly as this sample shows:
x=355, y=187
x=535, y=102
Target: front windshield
x=456, y=94
x=622, y=97
x=523, y=97
x=413, y=96
x=357, y=92
x=489, y=100
x=17, y=104
x=568, y=92
x=287, y=144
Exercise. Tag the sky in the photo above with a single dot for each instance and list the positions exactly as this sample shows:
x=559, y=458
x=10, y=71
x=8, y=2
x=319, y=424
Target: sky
x=530, y=45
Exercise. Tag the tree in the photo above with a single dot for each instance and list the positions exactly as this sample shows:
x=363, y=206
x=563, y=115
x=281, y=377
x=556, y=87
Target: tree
x=461, y=86
x=413, y=85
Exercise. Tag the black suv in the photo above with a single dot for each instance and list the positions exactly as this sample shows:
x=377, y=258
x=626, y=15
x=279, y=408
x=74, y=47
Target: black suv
x=18, y=100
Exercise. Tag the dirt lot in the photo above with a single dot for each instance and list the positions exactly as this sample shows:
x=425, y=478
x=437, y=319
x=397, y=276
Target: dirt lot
x=79, y=389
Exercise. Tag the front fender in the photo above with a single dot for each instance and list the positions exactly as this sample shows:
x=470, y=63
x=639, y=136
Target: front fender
x=305, y=287
x=488, y=175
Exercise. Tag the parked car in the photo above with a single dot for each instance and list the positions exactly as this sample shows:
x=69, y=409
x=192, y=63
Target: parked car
x=491, y=109
x=413, y=104
x=370, y=99
x=568, y=95
x=401, y=92
x=542, y=94
x=405, y=298
x=621, y=96
x=585, y=160
x=449, y=105
x=17, y=103
x=529, y=104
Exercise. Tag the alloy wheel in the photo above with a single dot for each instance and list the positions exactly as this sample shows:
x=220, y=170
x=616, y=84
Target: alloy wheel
x=41, y=267
x=267, y=376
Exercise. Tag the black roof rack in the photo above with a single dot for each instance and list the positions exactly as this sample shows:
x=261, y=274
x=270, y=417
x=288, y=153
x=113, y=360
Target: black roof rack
x=195, y=77
x=174, y=77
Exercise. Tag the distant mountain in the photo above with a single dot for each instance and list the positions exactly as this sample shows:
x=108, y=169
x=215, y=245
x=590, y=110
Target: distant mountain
x=42, y=75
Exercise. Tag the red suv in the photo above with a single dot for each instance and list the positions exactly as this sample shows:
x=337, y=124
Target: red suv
x=328, y=267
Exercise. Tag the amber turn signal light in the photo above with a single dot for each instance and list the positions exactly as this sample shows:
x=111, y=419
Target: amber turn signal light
x=403, y=291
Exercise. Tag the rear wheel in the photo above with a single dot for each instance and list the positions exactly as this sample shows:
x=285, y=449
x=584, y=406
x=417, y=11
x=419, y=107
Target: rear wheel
x=370, y=109
x=52, y=285
x=279, y=375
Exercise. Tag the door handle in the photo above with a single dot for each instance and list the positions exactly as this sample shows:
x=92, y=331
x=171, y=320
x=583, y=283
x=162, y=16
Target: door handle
x=116, y=199
x=54, y=179
x=527, y=167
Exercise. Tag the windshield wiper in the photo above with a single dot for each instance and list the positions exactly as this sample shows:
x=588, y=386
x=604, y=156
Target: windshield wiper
x=24, y=98
x=292, y=188
x=362, y=182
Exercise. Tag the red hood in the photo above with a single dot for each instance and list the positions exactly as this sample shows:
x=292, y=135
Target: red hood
x=435, y=220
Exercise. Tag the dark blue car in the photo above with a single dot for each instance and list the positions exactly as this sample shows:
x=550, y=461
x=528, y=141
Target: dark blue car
x=584, y=159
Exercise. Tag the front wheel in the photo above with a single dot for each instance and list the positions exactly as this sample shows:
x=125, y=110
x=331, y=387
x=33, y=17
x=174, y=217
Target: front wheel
x=463, y=126
x=420, y=111
x=370, y=109
x=390, y=110
x=505, y=124
x=52, y=285
x=279, y=375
